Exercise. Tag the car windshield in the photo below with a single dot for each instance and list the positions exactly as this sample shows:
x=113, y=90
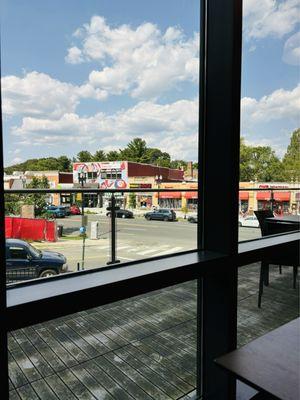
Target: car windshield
x=35, y=252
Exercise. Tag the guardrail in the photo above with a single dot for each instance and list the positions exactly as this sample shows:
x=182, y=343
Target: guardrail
x=113, y=207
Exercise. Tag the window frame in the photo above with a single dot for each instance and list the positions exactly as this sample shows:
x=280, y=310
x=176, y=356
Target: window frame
x=218, y=255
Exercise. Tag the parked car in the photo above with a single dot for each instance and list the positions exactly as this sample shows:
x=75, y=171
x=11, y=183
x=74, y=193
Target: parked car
x=193, y=218
x=250, y=221
x=55, y=212
x=75, y=210
x=24, y=261
x=66, y=209
x=121, y=214
x=163, y=214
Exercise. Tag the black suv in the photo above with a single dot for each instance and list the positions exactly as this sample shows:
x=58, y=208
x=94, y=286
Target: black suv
x=23, y=261
x=163, y=214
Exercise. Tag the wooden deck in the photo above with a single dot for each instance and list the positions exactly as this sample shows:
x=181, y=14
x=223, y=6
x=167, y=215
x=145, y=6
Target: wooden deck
x=142, y=348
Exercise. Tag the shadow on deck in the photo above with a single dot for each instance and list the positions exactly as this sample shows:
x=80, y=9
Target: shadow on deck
x=140, y=348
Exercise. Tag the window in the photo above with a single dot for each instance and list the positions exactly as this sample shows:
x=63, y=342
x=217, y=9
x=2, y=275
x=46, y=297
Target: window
x=212, y=265
x=18, y=253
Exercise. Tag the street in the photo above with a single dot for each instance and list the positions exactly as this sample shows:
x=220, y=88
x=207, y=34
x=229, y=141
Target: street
x=136, y=239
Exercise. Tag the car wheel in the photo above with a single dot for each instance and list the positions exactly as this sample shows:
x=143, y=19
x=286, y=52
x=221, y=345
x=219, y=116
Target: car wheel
x=47, y=272
x=240, y=224
x=108, y=215
x=148, y=218
x=166, y=219
x=123, y=216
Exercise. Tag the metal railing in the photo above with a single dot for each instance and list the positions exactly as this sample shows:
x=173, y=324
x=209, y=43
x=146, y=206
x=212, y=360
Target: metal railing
x=113, y=208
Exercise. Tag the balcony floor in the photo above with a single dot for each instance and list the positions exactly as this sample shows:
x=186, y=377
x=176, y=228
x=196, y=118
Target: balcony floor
x=141, y=348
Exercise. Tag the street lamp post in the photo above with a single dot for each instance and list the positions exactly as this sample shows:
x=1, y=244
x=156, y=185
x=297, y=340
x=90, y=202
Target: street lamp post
x=158, y=180
x=82, y=180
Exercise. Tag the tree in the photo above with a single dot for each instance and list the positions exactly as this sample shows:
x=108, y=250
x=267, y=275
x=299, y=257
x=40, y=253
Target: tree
x=84, y=156
x=99, y=156
x=132, y=200
x=259, y=163
x=291, y=159
x=113, y=155
x=65, y=164
x=135, y=150
x=39, y=200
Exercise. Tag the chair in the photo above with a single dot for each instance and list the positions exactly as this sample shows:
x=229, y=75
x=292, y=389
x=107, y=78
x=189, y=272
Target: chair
x=291, y=259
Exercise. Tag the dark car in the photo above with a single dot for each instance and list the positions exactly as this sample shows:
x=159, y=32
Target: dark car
x=55, y=212
x=163, y=214
x=66, y=209
x=23, y=261
x=121, y=214
x=193, y=218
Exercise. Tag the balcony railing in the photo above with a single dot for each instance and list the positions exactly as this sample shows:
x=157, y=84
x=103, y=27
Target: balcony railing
x=130, y=240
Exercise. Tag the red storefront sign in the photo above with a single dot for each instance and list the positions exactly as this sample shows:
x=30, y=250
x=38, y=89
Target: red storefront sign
x=168, y=195
x=191, y=195
x=282, y=196
x=264, y=196
x=243, y=195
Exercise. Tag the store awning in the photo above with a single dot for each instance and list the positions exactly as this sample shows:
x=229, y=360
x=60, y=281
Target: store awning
x=191, y=195
x=282, y=196
x=266, y=196
x=169, y=195
x=243, y=195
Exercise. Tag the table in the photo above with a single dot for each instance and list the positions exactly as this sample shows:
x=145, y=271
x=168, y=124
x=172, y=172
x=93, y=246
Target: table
x=285, y=223
x=270, y=363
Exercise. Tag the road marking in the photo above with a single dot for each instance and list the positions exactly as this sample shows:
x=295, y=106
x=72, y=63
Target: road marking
x=125, y=258
x=142, y=253
x=134, y=229
x=173, y=250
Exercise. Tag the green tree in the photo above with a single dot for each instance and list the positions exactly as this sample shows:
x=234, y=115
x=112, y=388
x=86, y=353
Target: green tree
x=84, y=156
x=135, y=150
x=99, y=156
x=259, y=163
x=113, y=155
x=39, y=200
x=12, y=203
x=132, y=200
x=291, y=159
x=65, y=164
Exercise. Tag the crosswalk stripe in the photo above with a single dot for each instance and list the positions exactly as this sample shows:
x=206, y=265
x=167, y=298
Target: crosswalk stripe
x=153, y=250
x=173, y=250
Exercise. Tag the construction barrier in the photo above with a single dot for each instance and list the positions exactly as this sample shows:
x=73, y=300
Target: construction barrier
x=30, y=229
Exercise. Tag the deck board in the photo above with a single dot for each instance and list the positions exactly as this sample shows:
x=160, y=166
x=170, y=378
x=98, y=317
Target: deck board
x=142, y=348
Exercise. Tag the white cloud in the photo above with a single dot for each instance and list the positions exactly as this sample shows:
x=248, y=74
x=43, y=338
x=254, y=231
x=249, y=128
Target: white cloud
x=144, y=62
x=291, y=51
x=270, y=18
x=38, y=95
x=173, y=126
x=74, y=56
x=16, y=160
x=270, y=120
x=281, y=104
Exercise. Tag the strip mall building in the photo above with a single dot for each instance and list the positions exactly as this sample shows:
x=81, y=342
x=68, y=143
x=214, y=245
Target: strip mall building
x=131, y=175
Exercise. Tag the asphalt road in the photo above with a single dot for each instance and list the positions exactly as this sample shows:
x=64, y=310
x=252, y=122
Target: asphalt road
x=136, y=239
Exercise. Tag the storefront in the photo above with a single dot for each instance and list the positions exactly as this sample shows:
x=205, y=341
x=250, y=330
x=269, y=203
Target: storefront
x=191, y=200
x=169, y=200
x=243, y=201
x=278, y=201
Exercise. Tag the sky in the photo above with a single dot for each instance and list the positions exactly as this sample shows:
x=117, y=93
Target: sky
x=92, y=75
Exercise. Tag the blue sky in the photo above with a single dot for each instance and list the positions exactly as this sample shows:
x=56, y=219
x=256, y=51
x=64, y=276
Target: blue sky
x=94, y=74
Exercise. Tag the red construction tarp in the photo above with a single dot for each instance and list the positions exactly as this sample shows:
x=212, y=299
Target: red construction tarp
x=30, y=229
